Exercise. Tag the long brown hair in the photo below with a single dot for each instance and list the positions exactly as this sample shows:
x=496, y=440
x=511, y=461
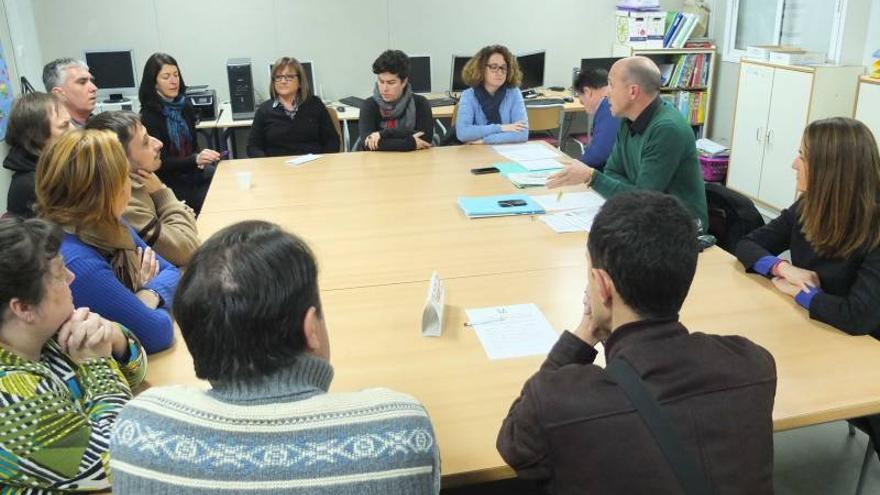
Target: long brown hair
x=302, y=94
x=840, y=209
x=29, y=121
x=474, y=71
x=80, y=177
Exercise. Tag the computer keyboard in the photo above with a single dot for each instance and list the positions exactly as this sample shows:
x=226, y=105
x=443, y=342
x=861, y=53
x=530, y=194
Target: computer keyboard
x=537, y=102
x=441, y=102
x=352, y=101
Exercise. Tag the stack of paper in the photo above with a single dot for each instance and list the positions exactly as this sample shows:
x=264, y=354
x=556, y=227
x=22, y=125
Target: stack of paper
x=512, y=331
x=499, y=206
x=573, y=212
x=707, y=147
x=299, y=160
x=530, y=179
x=532, y=156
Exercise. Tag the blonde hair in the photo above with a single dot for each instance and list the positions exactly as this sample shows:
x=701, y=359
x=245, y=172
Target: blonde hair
x=293, y=64
x=840, y=209
x=80, y=177
x=474, y=71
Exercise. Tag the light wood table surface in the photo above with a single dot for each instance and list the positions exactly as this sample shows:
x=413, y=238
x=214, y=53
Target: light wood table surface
x=381, y=222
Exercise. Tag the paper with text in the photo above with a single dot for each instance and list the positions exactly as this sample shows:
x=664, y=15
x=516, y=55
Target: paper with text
x=570, y=201
x=512, y=331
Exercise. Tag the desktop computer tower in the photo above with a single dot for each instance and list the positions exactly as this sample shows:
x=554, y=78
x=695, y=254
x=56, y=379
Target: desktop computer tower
x=241, y=88
x=204, y=101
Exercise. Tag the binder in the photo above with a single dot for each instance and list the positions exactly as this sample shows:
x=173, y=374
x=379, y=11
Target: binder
x=487, y=206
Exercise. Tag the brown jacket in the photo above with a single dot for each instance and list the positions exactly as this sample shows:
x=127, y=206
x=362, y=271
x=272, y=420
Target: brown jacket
x=164, y=223
x=574, y=428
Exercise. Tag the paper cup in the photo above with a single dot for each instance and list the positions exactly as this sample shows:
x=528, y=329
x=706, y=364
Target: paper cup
x=243, y=179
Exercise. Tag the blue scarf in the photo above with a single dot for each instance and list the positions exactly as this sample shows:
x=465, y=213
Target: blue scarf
x=491, y=104
x=178, y=129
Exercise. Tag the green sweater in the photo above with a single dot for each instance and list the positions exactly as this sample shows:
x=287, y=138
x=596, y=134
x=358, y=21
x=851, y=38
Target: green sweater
x=662, y=158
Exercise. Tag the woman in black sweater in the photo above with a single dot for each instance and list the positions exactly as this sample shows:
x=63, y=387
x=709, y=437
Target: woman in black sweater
x=292, y=121
x=832, y=230
x=395, y=118
x=169, y=117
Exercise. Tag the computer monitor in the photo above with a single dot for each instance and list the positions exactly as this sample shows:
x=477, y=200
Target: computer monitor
x=113, y=71
x=420, y=73
x=310, y=75
x=532, y=67
x=607, y=62
x=456, y=83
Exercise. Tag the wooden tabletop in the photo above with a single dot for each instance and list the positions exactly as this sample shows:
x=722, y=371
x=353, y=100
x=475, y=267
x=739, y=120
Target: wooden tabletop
x=380, y=223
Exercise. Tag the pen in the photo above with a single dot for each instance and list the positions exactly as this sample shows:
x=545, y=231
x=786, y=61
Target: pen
x=559, y=196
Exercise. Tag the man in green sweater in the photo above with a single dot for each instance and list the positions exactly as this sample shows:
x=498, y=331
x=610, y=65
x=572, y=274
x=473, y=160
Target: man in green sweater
x=655, y=146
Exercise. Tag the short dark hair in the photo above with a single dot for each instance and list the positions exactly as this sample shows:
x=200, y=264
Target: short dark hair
x=123, y=123
x=147, y=93
x=593, y=78
x=393, y=61
x=241, y=303
x=26, y=249
x=647, y=242
x=29, y=126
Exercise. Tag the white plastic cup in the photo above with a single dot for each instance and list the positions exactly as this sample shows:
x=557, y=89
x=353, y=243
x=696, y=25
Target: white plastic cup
x=244, y=179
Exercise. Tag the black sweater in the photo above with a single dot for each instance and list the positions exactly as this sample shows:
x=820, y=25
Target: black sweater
x=396, y=139
x=151, y=117
x=850, y=296
x=273, y=133
x=21, y=197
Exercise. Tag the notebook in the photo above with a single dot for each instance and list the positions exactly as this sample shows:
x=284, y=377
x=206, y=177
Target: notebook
x=488, y=206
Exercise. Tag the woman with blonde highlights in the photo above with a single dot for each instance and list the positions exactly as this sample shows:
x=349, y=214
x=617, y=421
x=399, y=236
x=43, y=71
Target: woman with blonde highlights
x=832, y=230
x=492, y=111
x=83, y=185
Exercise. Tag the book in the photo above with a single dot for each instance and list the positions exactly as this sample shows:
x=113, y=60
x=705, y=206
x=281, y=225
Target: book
x=492, y=206
x=676, y=20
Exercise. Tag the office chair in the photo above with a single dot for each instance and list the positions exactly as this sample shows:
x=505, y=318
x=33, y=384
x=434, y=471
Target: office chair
x=544, y=119
x=334, y=117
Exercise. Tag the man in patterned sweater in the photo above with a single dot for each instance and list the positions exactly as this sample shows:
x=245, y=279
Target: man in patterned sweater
x=249, y=310
x=59, y=396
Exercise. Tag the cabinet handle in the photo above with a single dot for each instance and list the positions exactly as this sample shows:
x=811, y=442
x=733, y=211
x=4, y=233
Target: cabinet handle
x=759, y=134
x=770, y=137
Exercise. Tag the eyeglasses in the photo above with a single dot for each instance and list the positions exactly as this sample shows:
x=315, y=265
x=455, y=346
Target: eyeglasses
x=285, y=77
x=497, y=68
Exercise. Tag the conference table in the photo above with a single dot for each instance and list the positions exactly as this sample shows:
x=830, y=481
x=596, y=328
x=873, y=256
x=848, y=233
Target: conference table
x=381, y=223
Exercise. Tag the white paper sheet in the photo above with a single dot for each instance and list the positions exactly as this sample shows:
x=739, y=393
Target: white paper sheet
x=530, y=178
x=570, y=221
x=570, y=201
x=526, y=152
x=512, y=331
x=299, y=160
x=542, y=164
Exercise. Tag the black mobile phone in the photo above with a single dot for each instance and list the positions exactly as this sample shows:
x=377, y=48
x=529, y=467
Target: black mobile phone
x=511, y=202
x=484, y=170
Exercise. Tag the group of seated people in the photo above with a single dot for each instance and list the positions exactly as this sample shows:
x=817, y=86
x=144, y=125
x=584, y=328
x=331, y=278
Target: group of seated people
x=96, y=281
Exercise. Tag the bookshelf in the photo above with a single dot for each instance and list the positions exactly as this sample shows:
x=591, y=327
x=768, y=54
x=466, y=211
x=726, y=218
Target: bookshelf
x=692, y=80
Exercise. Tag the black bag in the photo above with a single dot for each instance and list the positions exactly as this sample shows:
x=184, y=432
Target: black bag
x=731, y=215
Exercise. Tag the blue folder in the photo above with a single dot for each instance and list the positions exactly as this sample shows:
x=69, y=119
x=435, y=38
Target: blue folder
x=487, y=206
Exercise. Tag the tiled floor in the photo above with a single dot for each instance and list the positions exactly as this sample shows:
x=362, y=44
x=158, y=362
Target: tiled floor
x=819, y=460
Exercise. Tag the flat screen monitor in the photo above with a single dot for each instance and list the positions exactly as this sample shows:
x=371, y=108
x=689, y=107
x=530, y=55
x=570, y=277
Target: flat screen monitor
x=456, y=83
x=113, y=72
x=532, y=67
x=310, y=75
x=607, y=62
x=420, y=73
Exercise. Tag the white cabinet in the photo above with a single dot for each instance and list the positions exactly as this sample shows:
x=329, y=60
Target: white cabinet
x=774, y=103
x=868, y=105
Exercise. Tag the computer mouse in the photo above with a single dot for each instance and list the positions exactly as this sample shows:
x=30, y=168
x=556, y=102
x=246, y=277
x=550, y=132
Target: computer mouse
x=568, y=99
x=340, y=109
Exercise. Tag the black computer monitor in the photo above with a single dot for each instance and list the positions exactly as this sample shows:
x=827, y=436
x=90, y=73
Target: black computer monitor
x=310, y=75
x=456, y=83
x=532, y=67
x=113, y=72
x=607, y=62
x=420, y=73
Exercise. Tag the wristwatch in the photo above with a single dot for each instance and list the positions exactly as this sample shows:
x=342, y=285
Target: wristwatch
x=158, y=296
x=592, y=176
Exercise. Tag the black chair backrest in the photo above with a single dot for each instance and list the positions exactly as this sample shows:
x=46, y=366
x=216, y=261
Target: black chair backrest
x=731, y=215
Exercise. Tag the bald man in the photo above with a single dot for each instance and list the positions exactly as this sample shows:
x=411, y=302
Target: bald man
x=655, y=147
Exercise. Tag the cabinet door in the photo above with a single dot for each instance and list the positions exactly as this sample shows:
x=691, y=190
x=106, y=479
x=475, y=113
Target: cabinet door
x=747, y=147
x=868, y=107
x=789, y=105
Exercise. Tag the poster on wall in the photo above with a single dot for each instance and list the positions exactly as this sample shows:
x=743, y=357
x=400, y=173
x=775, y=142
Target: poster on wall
x=5, y=95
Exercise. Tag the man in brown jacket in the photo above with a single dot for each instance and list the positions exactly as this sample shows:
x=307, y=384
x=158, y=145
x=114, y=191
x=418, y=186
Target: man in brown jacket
x=575, y=430
x=163, y=222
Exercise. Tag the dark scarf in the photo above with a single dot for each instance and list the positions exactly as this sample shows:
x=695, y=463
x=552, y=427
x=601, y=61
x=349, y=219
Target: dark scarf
x=491, y=104
x=178, y=129
x=400, y=114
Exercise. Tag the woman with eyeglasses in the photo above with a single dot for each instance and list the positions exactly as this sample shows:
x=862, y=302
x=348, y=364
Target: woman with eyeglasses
x=292, y=121
x=492, y=110
x=170, y=117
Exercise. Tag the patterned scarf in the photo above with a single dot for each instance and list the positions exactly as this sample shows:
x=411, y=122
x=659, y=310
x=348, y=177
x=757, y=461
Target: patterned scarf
x=400, y=114
x=178, y=129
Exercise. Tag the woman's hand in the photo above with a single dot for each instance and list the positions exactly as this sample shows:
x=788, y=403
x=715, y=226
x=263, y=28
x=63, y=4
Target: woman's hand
x=149, y=267
x=207, y=157
x=800, y=278
x=514, y=127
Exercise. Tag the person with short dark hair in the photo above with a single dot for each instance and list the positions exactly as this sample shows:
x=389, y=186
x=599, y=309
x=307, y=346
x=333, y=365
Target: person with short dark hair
x=574, y=429
x=36, y=119
x=395, y=118
x=492, y=110
x=249, y=309
x=71, y=81
x=170, y=117
x=292, y=121
x=591, y=88
x=65, y=372
x=655, y=148
x=160, y=219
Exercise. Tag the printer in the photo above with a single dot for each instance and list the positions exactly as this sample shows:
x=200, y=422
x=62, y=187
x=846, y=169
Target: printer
x=204, y=101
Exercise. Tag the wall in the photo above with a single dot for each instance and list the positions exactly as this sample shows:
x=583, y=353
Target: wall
x=8, y=16
x=872, y=36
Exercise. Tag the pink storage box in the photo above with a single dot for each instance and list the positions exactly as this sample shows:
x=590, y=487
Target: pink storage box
x=714, y=168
